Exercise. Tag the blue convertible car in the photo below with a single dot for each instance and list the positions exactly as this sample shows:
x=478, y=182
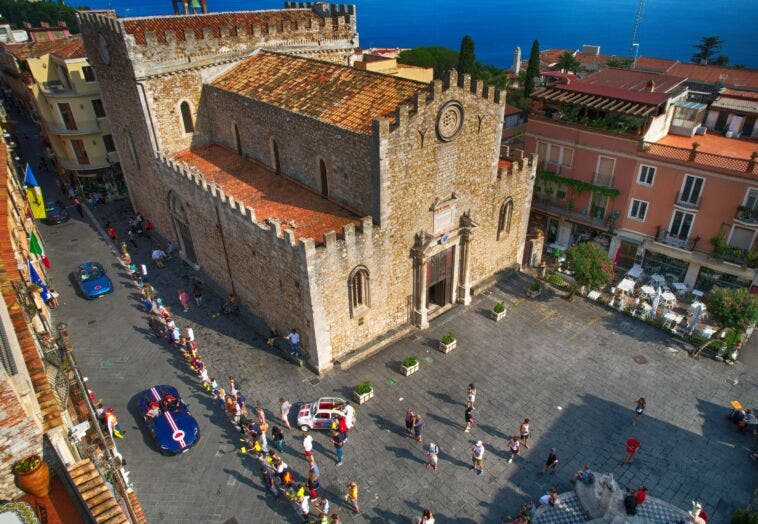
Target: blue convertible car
x=92, y=280
x=168, y=419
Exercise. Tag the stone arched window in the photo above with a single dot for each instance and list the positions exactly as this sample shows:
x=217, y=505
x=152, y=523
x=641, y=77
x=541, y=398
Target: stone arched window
x=132, y=149
x=180, y=220
x=324, y=180
x=186, y=112
x=504, y=219
x=275, y=155
x=358, y=289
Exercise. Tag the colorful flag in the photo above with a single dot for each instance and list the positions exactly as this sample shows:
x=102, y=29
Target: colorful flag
x=36, y=248
x=34, y=194
x=36, y=280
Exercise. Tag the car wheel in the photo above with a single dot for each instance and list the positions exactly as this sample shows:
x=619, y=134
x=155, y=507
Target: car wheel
x=305, y=428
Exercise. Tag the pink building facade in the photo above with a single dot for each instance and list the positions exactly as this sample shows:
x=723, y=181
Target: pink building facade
x=630, y=179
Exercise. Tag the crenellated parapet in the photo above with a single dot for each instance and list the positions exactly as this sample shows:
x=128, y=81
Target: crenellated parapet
x=405, y=114
x=349, y=242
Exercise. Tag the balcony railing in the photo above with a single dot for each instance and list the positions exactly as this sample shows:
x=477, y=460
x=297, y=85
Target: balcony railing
x=85, y=127
x=679, y=201
x=56, y=88
x=693, y=156
x=664, y=237
x=747, y=215
x=566, y=210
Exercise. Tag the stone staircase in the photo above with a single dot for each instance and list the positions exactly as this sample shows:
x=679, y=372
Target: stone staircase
x=98, y=499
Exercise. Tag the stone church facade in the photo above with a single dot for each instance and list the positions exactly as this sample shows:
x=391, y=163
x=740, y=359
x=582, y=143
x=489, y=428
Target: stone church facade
x=344, y=203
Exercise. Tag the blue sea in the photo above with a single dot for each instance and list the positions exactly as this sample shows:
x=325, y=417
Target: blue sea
x=669, y=28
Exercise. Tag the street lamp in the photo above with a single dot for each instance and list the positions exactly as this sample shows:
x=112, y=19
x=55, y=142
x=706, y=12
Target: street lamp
x=636, y=48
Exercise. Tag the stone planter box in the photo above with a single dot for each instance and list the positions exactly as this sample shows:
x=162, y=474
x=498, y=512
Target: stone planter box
x=364, y=397
x=497, y=317
x=447, y=348
x=410, y=370
x=531, y=293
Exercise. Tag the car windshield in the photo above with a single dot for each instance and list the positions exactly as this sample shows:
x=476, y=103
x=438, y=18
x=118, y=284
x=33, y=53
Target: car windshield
x=91, y=274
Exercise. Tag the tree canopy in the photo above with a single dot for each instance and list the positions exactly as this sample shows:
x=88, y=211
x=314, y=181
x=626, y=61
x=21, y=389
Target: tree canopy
x=590, y=264
x=735, y=309
x=466, y=57
x=440, y=58
x=568, y=63
x=16, y=12
x=708, y=51
x=532, y=69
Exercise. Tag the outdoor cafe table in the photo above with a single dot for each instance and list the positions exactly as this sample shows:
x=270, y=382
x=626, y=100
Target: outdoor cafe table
x=636, y=271
x=669, y=298
x=680, y=287
x=626, y=285
x=647, y=291
x=658, y=279
x=672, y=318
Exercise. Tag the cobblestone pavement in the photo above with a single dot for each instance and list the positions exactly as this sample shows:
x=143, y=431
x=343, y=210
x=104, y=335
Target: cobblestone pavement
x=574, y=369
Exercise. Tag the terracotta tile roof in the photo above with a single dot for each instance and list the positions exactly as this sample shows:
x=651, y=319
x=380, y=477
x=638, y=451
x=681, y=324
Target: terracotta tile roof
x=339, y=95
x=27, y=50
x=550, y=56
x=709, y=74
x=161, y=24
x=98, y=498
x=270, y=195
x=661, y=65
x=72, y=49
x=633, y=80
x=738, y=93
x=512, y=110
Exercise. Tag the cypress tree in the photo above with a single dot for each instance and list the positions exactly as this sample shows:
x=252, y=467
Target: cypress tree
x=532, y=69
x=466, y=58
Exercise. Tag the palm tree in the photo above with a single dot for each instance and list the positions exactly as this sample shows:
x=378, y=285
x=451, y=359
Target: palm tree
x=568, y=63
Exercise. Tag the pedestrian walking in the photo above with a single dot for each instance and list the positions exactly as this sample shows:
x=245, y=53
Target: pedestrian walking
x=334, y=518
x=352, y=496
x=313, y=467
x=184, y=299
x=524, y=431
x=197, y=292
x=322, y=507
x=418, y=427
x=639, y=409
x=515, y=446
x=409, y=418
x=284, y=412
x=551, y=463
x=349, y=414
x=130, y=234
x=307, y=445
x=432, y=452
x=268, y=481
x=189, y=333
x=426, y=518
x=338, y=441
x=469, y=418
x=148, y=290
x=277, y=438
x=477, y=457
x=312, y=484
x=148, y=228
x=471, y=395
x=78, y=206
x=294, y=340
x=111, y=232
x=632, y=445
x=148, y=305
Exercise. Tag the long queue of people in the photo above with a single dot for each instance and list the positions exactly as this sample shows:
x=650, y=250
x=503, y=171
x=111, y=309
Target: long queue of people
x=277, y=476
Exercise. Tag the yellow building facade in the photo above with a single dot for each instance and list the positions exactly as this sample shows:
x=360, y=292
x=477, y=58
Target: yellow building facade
x=66, y=100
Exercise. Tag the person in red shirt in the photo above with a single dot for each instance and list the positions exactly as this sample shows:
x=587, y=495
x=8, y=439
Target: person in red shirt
x=111, y=232
x=632, y=445
x=641, y=495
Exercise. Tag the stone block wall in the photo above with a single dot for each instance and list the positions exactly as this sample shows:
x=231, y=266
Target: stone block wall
x=302, y=142
x=19, y=437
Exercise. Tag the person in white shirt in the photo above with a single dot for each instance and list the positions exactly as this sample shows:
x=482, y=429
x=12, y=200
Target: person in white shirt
x=308, y=445
x=189, y=333
x=349, y=415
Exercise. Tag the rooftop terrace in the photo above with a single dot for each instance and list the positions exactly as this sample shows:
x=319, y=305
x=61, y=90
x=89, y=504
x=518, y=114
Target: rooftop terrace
x=270, y=195
x=715, y=144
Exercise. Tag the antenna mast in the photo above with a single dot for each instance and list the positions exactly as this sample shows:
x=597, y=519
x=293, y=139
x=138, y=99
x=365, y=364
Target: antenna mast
x=637, y=20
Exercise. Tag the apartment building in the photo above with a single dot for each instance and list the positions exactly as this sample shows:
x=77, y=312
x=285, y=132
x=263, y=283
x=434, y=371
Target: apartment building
x=629, y=160
x=55, y=83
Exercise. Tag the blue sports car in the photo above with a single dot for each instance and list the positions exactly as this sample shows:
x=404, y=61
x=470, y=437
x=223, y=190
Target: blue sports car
x=92, y=280
x=168, y=419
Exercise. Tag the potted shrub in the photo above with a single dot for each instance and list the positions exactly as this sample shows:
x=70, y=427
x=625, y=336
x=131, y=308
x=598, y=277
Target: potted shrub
x=448, y=342
x=33, y=476
x=363, y=392
x=534, y=289
x=409, y=366
x=499, y=311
